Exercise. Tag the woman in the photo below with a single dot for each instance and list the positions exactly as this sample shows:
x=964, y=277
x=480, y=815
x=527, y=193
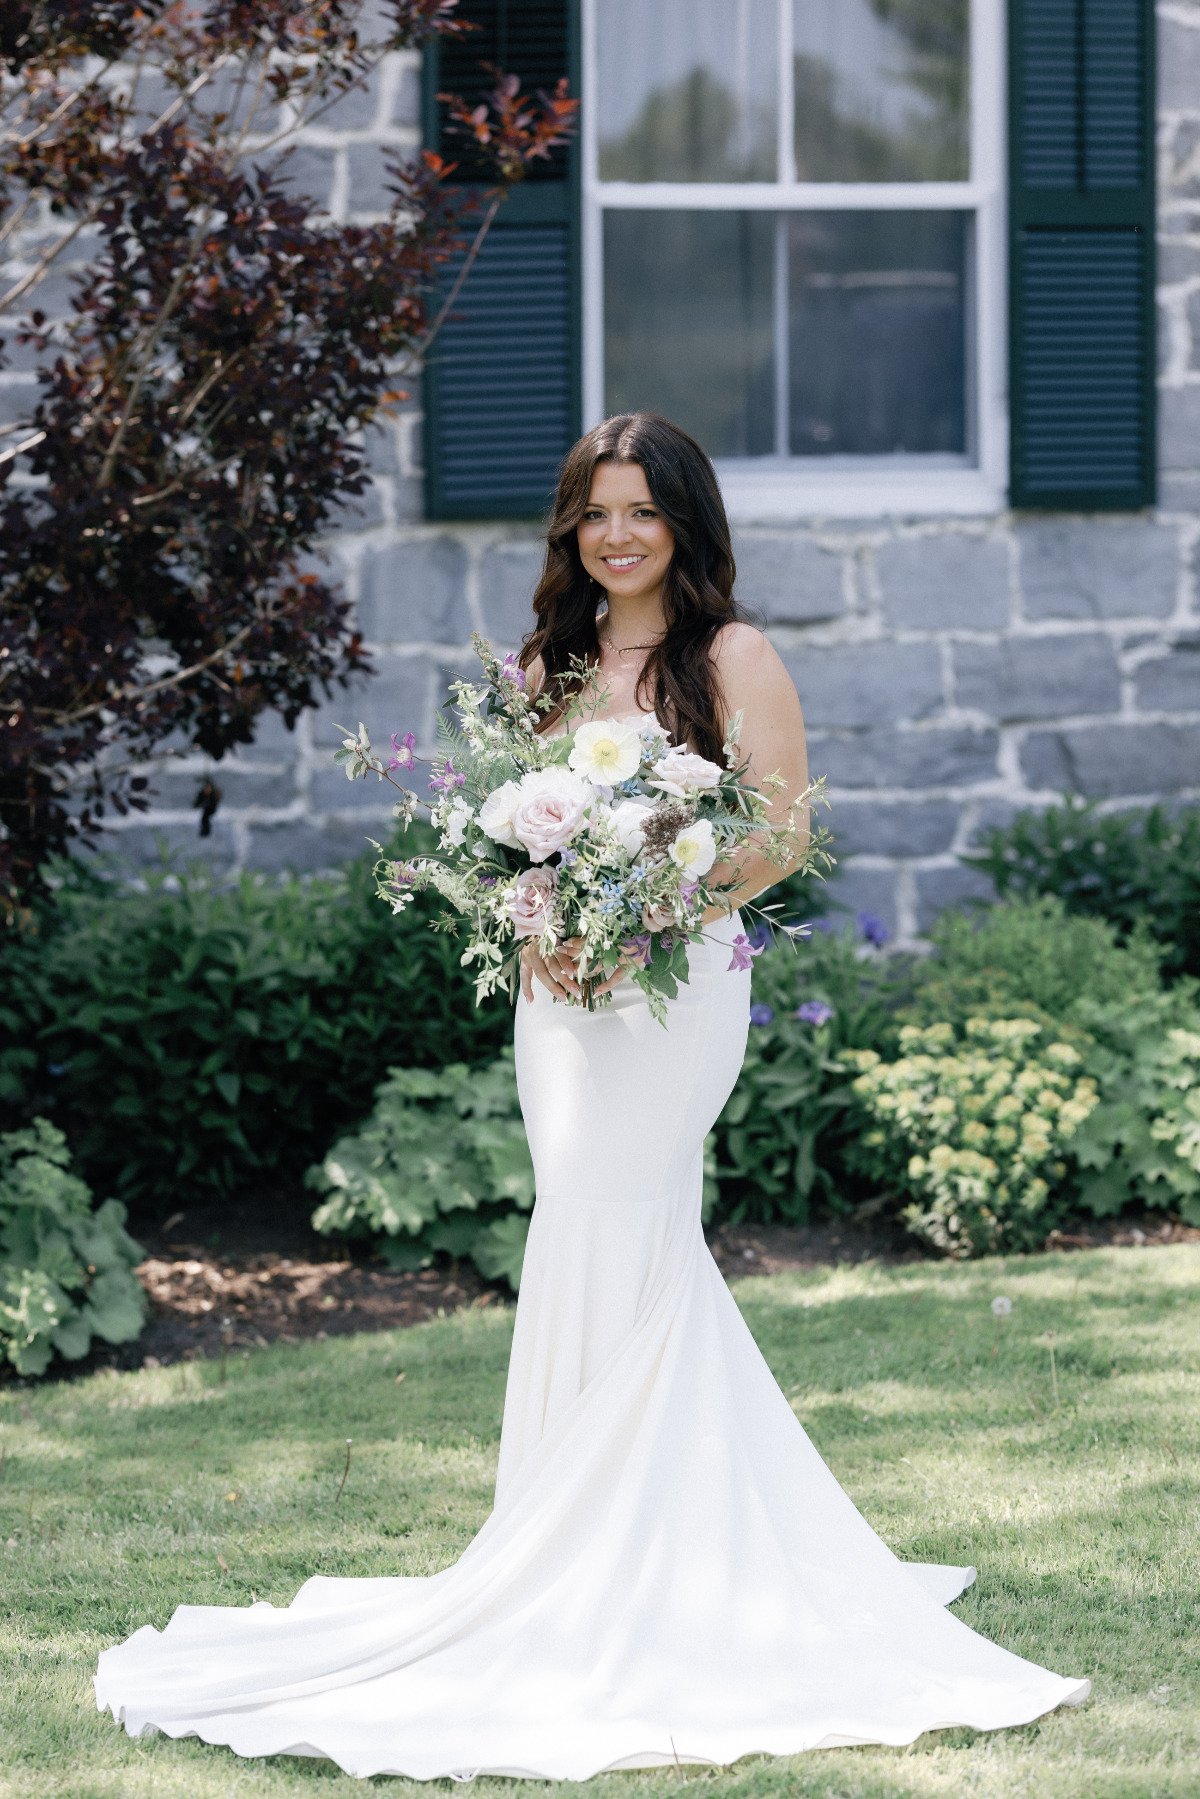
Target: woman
x=670, y=1572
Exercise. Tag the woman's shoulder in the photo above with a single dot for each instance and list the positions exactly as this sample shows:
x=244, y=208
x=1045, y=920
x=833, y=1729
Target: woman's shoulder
x=738, y=644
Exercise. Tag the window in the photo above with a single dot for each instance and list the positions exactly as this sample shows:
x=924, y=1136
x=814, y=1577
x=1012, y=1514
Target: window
x=793, y=243
x=786, y=225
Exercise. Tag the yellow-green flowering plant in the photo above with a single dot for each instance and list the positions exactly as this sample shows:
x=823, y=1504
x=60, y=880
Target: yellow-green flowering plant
x=974, y=1124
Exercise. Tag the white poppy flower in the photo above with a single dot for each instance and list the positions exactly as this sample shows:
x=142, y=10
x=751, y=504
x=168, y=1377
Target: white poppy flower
x=694, y=849
x=606, y=751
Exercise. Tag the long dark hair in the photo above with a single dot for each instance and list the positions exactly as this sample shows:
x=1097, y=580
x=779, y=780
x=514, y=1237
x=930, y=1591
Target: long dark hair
x=697, y=596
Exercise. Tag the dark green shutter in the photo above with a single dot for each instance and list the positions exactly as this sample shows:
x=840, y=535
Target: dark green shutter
x=502, y=381
x=1081, y=253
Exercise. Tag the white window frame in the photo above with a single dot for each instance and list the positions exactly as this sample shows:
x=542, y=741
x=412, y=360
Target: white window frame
x=774, y=489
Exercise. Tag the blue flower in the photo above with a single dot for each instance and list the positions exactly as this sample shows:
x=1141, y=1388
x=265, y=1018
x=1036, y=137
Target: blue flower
x=760, y=1013
x=814, y=1011
x=759, y=933
x=873, y=929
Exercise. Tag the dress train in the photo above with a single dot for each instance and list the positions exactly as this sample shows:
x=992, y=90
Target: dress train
x=670, y=1571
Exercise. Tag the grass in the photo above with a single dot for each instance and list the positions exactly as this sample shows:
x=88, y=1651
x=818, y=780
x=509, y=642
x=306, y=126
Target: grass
x=122, y=1495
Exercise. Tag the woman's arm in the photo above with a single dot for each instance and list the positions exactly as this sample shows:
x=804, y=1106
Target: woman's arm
x=753, y=678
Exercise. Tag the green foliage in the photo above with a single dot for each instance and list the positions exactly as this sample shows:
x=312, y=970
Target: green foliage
x=65, y=1271
x=441, y=1163
x=1142, y=1142
x=1139, y=870
x=972, y=1127
x=192, y=1038
x=1029, y=954
x=782, y=1137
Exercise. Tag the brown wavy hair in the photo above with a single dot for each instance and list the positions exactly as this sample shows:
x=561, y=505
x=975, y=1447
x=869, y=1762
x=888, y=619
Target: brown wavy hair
x=697, y=596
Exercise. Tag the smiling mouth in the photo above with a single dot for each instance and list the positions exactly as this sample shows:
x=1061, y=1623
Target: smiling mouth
x=620, y=562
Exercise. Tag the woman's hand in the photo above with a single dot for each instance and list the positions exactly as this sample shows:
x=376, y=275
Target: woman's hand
x=560, y=970
x=557, y=971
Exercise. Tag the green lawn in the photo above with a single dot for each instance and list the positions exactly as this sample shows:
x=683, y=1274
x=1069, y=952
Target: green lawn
x=123, y=1495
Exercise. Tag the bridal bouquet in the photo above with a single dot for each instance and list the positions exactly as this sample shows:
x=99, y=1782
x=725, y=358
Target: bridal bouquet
x=608, y=833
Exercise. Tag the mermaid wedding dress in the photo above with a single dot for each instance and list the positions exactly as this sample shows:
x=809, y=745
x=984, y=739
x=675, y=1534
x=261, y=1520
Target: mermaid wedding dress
x=670, y=1571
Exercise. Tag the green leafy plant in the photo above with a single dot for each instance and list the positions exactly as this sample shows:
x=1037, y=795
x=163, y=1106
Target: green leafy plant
x=782, y=1137
x=972, y=1126
x=195, y=1037
x=66, y=1271
x=1032, y=955
x=442, y=1163
x=1141, y=1143
x=1137, y=869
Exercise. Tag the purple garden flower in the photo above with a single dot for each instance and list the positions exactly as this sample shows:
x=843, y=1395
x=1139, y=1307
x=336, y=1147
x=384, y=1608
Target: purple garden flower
x=448, y=779
x=761, y=1013
x=744, y=951
x=814, y=1011
x=638, y=948
x=760, y=933
x=509, y=671
x=686, y=889
x=873, y=929
x=402, y=751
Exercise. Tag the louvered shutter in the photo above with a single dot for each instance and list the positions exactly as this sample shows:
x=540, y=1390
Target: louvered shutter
x=502, y=383
x=1081, y=253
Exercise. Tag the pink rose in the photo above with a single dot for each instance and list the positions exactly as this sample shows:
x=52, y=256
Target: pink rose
x=549, y=810
x=531, y=902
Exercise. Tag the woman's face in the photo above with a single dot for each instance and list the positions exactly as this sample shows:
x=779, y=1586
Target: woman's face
x=625, y=543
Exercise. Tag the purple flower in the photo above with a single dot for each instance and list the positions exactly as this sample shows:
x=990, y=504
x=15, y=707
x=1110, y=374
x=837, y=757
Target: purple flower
x=761, y=1014
x=638, y=948
x=744, y=951
x=873, y=929
x=686, y=889
x=448, y=779
x=814, y=1011
x=402, y=751
x=509, y=671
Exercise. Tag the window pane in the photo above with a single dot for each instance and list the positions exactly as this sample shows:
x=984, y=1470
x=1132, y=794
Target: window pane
x=882, y=90
x=876, y=332
x=687, y=90
x=688, y=333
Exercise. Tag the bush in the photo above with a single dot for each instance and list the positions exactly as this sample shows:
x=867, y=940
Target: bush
x=1142, y=1142
x=782, y=1137
x=1031, y=954
x=441, y=1163
x=194, y=1038
x=973, y=1127
x=1138, y=870
x=65, y=1271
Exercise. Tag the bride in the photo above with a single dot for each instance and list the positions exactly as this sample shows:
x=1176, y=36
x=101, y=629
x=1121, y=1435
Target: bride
x=670, y=1572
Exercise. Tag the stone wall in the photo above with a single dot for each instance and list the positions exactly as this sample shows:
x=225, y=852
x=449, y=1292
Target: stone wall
x=951, y=670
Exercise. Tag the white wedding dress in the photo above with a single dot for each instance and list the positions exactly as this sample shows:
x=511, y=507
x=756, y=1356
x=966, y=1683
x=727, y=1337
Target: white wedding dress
x=670, y=1571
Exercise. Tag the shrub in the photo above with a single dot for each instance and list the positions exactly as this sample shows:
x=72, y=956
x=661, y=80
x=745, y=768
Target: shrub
x=782, y=1137
x=441, y=1163
x=1031, y=954
x=201, y=1039
x=1142, y=1141
x=1138, y=870
x=973, y=1127
x=66, y=1271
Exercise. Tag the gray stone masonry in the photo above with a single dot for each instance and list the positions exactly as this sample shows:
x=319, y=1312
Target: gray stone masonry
x=952, y=670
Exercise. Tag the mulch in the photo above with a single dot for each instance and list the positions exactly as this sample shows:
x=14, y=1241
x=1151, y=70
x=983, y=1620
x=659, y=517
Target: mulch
x=219, y=1284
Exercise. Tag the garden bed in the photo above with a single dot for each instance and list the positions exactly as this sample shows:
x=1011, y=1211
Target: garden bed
x=220, y=1285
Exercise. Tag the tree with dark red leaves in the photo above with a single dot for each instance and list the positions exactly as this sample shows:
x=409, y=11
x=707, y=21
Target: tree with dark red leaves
x=199, y=417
